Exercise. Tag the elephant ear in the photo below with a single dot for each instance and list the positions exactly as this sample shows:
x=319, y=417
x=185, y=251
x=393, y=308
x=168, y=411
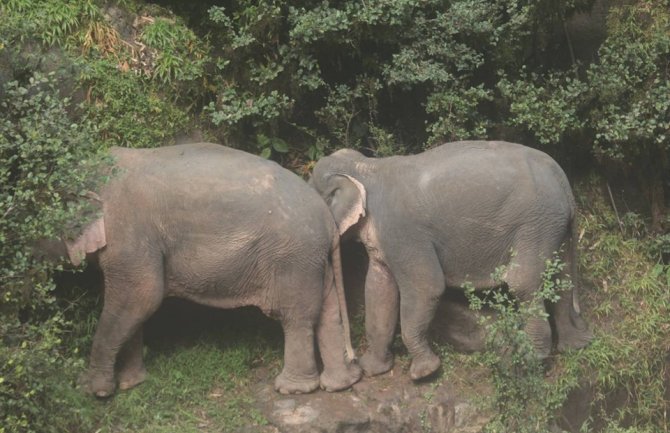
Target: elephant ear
x=92, y=239
x=347, y=201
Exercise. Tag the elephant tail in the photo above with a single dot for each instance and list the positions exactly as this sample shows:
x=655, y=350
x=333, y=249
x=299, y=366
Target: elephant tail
x=336, y=260
x=573, y=332
x=571, y=261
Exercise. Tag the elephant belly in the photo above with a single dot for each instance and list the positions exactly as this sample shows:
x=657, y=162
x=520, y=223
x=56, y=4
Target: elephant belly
x=227, y=280
x=475, y=266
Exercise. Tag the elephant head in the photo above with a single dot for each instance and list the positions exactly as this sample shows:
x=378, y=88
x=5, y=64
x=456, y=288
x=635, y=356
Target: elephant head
x=335, y=178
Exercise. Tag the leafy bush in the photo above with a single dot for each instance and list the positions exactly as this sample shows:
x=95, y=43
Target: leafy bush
x=387, y=76
x=523, y=400
x=47, y=163
x=620, y=105
x=127, y=109
x=51, y=22
x=631, y=305
x=628, y=305
x=133, y=87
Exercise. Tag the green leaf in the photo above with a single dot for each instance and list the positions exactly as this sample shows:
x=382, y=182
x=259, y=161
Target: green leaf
x=280, y=145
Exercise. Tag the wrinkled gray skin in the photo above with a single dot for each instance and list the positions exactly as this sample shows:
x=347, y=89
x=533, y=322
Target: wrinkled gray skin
x=222, y=228
x=448, y=216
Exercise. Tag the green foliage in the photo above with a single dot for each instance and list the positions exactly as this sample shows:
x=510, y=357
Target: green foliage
x=343, y=107
x=631, y=305
x=51, y=22
x=631, y=82
x=180, y=54
x=385, y=76
x=203, y=387
x=267, y=145
x=133, y=87
x=523, y=400
x=456, y=110
x=128, y=109
x=619, y=106
x=547, y=106
x=47, y=163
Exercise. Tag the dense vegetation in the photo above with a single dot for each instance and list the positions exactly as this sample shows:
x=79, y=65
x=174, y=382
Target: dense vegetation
x=293, y=81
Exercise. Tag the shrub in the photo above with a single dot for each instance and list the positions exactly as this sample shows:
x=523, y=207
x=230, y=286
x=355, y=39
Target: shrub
x=387, y=76
x=619, y=106
x=129, y=110
x=523, y=400
x=47, y=163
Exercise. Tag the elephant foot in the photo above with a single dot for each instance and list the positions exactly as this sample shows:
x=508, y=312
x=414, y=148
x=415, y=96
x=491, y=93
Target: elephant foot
x=130, y=379
x=374, y=365
x=338, y=381
x=542, y=352
x=286, y=383
x=573, y=338
x=539, y=332
x=97, y=384
x=424, y=365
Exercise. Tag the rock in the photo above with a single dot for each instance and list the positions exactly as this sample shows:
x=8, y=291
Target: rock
x=120, y=19
x=389, y=403
x=287, y=413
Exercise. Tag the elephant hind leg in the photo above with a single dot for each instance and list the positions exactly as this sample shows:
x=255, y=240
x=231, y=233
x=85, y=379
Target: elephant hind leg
x=299, y=375
x=129, y=301
x=298, y=305
x=571, y=329
x=338, y=371
x=524, y=278
x=131, y=365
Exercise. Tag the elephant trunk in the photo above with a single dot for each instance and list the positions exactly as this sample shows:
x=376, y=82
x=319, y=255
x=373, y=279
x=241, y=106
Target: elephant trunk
x=341, y=300
x=338, y=280
x=50, y=250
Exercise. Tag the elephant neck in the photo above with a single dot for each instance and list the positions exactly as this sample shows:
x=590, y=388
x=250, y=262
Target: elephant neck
x=359, y=168
x=364, y=167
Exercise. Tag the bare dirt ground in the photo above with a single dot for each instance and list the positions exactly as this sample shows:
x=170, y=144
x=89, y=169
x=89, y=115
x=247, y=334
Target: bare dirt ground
x=387, y=403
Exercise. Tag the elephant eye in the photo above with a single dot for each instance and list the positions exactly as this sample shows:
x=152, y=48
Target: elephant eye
x=331, y=196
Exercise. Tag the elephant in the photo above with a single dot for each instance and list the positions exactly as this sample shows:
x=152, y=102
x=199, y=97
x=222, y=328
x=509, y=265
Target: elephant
x=446, y=217
x=223, y=228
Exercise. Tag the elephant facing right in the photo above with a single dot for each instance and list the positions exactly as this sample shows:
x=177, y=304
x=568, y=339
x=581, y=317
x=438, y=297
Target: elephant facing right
x=449, y=216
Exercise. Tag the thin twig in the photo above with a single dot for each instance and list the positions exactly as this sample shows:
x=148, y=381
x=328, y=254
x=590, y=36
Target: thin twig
x=9, y=209
x=616, y=212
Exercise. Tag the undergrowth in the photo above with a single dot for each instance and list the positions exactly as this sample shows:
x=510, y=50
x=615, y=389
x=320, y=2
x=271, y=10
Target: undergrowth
x=522, y=400
x=623, y=372
x=201, y=388
x=628, y=303
x=201, y=374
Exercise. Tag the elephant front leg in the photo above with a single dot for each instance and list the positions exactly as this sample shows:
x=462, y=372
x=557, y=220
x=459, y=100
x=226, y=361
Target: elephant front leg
x=381, y=318
x=128, y=303
x=114, y=330
x=421, y=284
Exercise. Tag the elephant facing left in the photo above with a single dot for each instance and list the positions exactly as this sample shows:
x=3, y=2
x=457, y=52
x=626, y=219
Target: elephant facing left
x=223, y=228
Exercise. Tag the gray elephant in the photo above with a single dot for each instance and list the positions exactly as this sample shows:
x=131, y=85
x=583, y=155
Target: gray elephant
x=223, y=228
x=447, y=216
